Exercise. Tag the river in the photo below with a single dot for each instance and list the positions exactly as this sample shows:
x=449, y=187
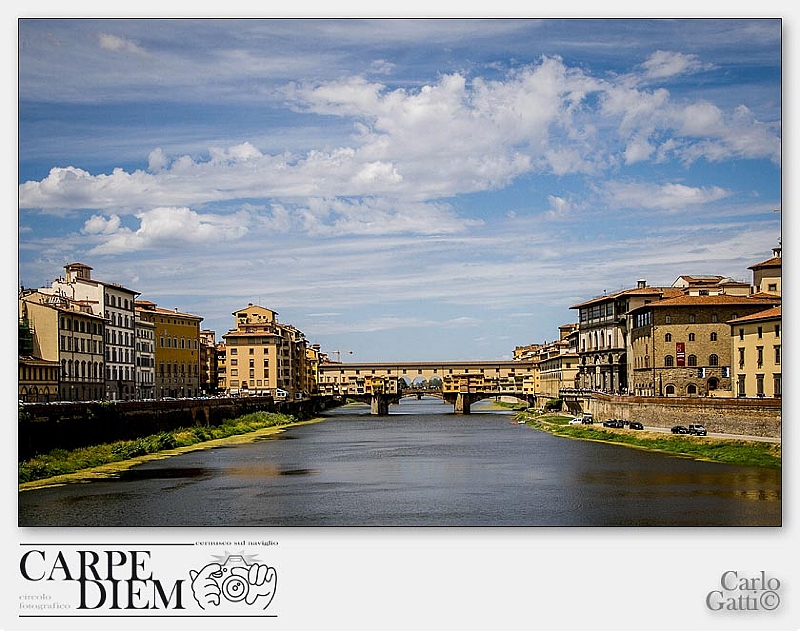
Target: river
x=421, y=465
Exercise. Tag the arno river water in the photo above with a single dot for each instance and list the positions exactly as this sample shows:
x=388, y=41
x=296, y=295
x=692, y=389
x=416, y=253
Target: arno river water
x=421, y=465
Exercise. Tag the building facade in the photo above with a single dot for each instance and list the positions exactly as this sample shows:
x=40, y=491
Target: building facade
x=115, y=304
x=265, y=357
x=767, y=274
x=177, y=350
x=603, y=336
x=681, y=346
x=757, y=354
x=68, y=333
x=145, y=356
x=208, y=362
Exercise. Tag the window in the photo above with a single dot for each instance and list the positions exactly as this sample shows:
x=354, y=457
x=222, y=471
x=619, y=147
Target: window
x=759, y=385
x=669, y=361
x=691, y=360
x=691, y=318
x=668, y=319
x=668, y=337
x=760, y=356
x=670, y=390
x=741, y=334
x=777, y=330
x=741, y=358
x=713, y=337
x=772, y=287
x=691, y=337
x=691, y=389
x=760, y=332
x=740, y=391
x=776, y=386
x=777, y=354
x=713, y=360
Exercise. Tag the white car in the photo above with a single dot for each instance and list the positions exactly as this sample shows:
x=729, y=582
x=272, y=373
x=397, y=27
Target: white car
x=576, y=421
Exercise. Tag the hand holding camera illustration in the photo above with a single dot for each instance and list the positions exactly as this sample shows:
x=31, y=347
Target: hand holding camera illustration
x=236, y=581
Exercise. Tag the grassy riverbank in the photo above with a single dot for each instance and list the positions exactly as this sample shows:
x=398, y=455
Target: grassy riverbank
x=731, y=451
x=101, y=459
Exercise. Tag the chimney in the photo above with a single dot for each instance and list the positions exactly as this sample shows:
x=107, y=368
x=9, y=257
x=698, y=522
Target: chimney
x=641, y=283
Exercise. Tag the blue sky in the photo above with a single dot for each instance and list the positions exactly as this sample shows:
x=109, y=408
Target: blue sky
x=402, y=189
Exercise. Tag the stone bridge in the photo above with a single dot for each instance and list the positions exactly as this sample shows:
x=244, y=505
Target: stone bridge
x=459, y=383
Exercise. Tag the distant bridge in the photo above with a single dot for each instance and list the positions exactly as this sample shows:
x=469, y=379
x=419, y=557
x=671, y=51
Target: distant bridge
x=458, y=383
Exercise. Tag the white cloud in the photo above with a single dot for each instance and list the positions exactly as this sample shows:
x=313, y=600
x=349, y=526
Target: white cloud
x=119, y=44
x=164, y=227
x=664, y=64
x=411, y=147
x=669, y=196
x=157, y=160
x=100, y=225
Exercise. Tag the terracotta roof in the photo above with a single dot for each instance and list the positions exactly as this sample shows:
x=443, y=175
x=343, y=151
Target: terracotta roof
x=769, y=314
x=701, y=279
x=766, y=295
x=775, y=261
x=164, y=312
x=635, y=291
x=722, y=299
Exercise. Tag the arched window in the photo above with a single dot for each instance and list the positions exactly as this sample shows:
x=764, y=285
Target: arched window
x=691, y=360
x=691, y=389
x=670, y=390
x=713, y=360
x=669, y=361
x=668, y=337
x=713, y=337
x=691, y=337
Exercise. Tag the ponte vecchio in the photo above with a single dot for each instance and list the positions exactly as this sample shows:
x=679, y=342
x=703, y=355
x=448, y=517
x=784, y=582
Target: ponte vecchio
x=459, y=383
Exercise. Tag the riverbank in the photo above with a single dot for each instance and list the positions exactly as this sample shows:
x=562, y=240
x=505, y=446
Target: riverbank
x=107, y=461
x=724, y=450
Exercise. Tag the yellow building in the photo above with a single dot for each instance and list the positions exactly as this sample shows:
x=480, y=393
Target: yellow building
x=557, y=368
x=767, y=274
x=177, y=350
x=265, y=357
x=222, y=368
x=756, y=369
x=66, y=332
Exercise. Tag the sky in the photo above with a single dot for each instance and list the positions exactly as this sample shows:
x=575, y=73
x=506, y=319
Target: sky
x=398, y=190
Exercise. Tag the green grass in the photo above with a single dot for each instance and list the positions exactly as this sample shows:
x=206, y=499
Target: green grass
x=741, y=452
x=62, y=461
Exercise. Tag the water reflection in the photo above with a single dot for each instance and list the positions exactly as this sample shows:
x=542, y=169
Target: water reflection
x=421, y=465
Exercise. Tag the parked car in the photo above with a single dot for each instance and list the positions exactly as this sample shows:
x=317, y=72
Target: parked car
x=680, y=429
x=613, y=422
x=576, y=421
x=587, y=420
x=697, y=429
x=636, y=425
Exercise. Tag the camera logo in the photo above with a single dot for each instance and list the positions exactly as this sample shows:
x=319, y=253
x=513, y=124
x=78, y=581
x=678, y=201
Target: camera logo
x=235, y=581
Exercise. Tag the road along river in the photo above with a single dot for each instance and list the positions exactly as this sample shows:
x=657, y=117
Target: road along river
x=421, y=465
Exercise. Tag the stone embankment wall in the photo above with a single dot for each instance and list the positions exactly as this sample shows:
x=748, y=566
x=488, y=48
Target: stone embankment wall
x=42, y=428
x=751, y=417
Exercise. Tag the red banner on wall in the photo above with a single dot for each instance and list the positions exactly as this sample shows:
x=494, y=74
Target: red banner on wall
x=680, y=354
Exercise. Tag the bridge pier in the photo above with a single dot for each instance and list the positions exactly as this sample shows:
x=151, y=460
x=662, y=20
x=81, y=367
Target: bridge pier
x=379, y=404
x=463, y=403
